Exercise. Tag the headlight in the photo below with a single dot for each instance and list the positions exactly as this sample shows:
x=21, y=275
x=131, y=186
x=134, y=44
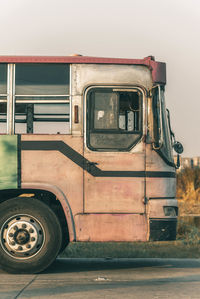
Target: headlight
x=171, y=211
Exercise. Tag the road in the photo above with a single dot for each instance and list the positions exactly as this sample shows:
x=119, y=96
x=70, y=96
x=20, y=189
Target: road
x=107, y=278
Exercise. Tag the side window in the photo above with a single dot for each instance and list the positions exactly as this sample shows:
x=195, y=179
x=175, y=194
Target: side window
x=3, y=98
x=42, y=99
x=42, y=118
x=114, y=119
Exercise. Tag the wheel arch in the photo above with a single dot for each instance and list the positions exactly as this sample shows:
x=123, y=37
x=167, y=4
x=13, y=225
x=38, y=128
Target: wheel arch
x=50, y=191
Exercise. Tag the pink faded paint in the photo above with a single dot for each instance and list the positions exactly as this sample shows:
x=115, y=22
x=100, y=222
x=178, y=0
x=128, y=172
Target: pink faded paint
x=111, y=227
x=158, y=69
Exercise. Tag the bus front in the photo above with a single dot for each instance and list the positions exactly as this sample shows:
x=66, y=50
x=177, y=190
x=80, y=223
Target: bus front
x=161, y=189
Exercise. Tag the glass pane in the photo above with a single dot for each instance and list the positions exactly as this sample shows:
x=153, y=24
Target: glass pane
x=44, y=79
x=166, y=148
x=156, y=116
x=42, y=118
x=57, y=113
x=3, y=78
x=116, y=141
x=51, y=108
x=3, y=118
x=106, y=110
x=129, y=111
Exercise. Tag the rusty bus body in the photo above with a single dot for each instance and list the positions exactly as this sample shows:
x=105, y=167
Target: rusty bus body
x=89, y=138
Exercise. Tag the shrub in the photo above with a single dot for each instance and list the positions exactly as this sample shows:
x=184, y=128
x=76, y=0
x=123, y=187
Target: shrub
x=188, y=190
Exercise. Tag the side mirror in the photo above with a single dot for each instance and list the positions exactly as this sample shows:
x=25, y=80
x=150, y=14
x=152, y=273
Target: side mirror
x=178, y=147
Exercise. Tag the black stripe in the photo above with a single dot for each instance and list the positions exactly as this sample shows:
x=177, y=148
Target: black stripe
x=161, y=198
x=19, y=161
x=78, y=159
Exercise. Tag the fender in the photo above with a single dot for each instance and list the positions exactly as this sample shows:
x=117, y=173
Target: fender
x=62, y=199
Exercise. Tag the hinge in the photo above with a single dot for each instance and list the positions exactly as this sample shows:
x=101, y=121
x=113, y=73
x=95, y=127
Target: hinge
x=149, y=93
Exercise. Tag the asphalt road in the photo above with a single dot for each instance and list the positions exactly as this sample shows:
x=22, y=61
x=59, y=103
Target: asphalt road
x=107, y=278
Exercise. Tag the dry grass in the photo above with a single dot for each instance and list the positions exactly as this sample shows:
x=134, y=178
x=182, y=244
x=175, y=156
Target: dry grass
x=188, y=191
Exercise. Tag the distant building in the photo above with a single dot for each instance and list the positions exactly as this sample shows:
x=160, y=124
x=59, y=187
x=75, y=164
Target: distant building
x=189, y=162
x=196, y=161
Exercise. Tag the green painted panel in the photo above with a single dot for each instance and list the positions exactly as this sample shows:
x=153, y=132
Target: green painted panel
x=8, y=162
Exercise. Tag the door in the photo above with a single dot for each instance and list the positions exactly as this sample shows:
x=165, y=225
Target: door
x=114, y=151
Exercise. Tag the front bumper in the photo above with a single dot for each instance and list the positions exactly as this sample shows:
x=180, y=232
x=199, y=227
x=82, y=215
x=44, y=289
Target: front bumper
x=163, y=229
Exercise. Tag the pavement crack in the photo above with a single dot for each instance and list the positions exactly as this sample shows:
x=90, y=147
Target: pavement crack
x=25, y=287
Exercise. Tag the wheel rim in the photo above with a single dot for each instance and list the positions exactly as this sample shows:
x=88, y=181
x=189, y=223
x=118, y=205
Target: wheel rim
x=22, y=236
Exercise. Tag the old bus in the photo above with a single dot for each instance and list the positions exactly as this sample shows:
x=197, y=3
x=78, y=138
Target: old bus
x=85, y=155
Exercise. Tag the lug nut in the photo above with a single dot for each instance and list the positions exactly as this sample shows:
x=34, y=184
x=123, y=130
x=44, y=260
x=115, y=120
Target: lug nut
x=32, y=239
x=12, y=243
x=28, y=246
x=24, y=225
x=20, y=248
x=11, y=235
x=31, y=230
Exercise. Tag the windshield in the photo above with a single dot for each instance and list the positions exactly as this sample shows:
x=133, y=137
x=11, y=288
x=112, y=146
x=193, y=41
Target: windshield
x=167, y=146
x=162, y=138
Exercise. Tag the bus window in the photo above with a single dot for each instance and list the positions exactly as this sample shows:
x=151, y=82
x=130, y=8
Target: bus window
x=42, y=118
x=114, y=120
x=42, y=79
x=3, y=79
x=3, y=98
x=3, y=117
x=42, y=99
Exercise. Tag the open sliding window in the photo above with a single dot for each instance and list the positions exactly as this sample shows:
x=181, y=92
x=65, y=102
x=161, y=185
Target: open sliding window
x=42, y=103
x=114, y=118
x=3, y=98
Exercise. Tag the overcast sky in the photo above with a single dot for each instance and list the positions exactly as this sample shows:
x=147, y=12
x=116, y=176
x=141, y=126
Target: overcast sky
x=169, y=30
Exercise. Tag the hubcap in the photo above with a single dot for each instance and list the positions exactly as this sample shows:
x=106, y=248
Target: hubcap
x=22, y=236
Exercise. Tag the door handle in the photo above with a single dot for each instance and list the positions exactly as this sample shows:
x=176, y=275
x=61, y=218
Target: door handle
x=92, y=163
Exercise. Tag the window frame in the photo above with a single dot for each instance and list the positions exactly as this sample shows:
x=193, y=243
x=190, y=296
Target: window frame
x=13, y=98
x=4, y=99
x=115, y=88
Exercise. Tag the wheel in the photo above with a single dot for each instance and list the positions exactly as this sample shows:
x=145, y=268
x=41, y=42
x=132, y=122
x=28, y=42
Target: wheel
x=31, y=235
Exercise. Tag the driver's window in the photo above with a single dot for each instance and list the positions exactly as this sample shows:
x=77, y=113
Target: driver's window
x=114, y=119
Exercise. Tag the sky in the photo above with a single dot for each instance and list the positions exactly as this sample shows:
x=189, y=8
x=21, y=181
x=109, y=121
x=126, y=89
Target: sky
x=168, y=30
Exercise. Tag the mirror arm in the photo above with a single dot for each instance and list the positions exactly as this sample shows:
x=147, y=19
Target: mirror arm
x=178, y=162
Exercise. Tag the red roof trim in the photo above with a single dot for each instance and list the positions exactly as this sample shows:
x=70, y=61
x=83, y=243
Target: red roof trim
x=158, y=68
x=72, y=59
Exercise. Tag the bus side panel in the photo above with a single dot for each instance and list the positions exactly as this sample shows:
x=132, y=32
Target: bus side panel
x=55, y=159
x=111, y=227
x=8, y=162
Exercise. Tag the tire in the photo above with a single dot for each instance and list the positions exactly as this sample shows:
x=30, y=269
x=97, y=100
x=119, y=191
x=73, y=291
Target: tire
x=31, y=235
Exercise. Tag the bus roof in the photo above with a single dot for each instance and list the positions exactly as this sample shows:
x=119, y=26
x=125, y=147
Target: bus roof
x=158, y=69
